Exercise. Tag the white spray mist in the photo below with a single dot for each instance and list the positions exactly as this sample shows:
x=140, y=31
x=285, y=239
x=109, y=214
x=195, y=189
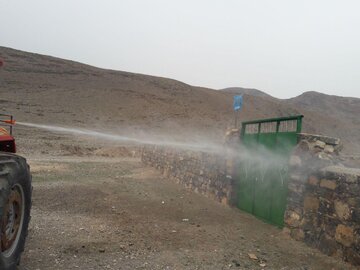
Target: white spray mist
x=199, y=145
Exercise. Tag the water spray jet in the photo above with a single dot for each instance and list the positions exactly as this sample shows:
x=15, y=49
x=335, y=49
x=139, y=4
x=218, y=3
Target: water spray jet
x=202, y=146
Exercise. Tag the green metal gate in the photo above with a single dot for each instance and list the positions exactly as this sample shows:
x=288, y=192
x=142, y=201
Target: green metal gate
x=263, y=172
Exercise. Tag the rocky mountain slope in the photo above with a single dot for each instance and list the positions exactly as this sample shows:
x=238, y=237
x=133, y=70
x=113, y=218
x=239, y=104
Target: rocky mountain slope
x=325, y=114
x=49, y=90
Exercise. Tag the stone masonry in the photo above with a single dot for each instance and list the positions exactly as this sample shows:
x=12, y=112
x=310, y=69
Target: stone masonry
x=323, y=204
x=199, y=171
x=323, y=207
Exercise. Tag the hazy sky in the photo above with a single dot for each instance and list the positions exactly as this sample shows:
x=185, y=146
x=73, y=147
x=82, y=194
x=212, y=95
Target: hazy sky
x=282, y=47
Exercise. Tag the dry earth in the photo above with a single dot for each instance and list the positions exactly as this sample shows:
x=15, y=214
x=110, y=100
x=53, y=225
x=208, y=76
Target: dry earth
x=95, y=206
x=49, y=90
x=97, y=213
x=100, y=208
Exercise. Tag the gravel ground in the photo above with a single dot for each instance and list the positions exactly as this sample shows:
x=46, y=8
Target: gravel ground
x=114, y=213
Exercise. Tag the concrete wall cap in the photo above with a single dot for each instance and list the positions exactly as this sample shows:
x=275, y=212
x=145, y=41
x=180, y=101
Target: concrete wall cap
x=339, y=170
x=315, y=137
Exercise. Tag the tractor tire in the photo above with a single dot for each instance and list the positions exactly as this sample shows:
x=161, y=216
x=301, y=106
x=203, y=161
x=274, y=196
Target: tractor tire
x=15, y=205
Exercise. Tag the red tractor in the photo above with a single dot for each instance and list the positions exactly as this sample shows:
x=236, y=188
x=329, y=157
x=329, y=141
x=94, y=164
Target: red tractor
x=15, y=197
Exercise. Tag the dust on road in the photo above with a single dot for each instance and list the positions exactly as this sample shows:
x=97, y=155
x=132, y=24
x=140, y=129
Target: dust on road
x=114, y=213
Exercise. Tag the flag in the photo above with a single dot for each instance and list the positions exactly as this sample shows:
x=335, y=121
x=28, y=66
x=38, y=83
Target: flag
x=238, y=102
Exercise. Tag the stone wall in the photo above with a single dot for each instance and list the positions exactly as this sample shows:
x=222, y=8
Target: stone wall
x=323, y=204
x=323, y=208
x=199, y=171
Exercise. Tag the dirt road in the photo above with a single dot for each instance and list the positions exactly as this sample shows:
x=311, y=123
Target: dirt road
x=101, y=213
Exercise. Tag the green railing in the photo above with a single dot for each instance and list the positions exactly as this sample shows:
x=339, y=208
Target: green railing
x=281, y=124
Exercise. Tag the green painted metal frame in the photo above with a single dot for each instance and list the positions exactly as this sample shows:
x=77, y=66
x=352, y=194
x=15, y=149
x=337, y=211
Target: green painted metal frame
x=262, y=189
x=270, y=120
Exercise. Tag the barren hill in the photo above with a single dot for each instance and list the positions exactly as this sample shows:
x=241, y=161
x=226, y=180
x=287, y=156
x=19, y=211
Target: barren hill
x=48, y=90
x=324, y=114
x=333, y=115
x=247, y=91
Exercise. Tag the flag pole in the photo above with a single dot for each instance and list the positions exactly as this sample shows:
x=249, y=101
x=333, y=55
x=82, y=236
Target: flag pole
x=238, y=102
x=235, y=119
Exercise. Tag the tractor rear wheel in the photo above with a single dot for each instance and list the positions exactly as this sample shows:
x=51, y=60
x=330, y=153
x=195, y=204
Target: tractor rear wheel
x=15, y=204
